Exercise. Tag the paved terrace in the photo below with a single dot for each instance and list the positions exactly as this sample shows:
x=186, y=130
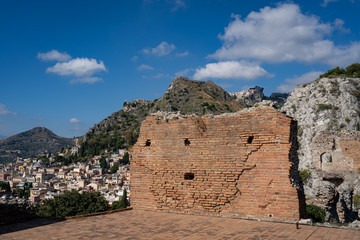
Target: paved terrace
x=136, y=224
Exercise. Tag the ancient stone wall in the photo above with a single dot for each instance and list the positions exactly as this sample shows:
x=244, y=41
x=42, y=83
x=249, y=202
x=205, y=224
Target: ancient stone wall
x=336, y=151
x=234, y=165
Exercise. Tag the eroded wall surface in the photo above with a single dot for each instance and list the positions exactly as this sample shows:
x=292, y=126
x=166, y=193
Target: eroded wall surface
x=334, y=151
x=230, y=165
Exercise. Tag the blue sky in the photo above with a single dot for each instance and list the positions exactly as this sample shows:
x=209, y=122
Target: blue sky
x=67, y=65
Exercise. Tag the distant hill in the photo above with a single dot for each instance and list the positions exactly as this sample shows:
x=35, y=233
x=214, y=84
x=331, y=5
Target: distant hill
x=36, y=141
x=121, y=129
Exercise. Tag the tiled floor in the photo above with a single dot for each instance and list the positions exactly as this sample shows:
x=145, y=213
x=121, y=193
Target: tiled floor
x=136, y=224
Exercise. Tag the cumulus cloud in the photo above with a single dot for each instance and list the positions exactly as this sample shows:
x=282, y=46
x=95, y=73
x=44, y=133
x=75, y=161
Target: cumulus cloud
x=291, y=83
x=231, y=70
x=144, y=67
x=162, y=49
x=5, y=111
x=78, y=67
x=284, y=34
x=54, y=55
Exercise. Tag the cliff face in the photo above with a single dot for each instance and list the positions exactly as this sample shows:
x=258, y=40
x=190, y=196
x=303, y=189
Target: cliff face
x=328, y=115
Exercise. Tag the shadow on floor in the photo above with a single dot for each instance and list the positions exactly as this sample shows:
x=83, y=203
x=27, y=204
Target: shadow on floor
x=37, y=222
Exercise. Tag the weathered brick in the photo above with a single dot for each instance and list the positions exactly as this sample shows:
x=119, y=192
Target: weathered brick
x=234, y=166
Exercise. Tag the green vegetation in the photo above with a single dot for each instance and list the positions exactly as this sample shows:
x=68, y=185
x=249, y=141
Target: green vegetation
x=72, y=203
x=322, y=106
x=300, y=131
x=352, y=70
x=32, y=143
x=5, y=186
x=347, y=120
x=305, y=175
x=114, y=169
x=317, y=214
x=103, y=163
x=356, y=201
x=125, y=159
x=24, y=192
x=122, y=203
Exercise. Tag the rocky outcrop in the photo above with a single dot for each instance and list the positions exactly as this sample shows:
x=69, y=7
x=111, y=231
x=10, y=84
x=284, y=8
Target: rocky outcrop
x=251, y=96
x=255, y=95
x=328, y=115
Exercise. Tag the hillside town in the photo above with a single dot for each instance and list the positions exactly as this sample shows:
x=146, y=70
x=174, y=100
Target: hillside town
x=33, y=180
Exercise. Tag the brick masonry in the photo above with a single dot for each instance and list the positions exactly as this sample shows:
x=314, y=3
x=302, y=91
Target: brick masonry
x=234, y=165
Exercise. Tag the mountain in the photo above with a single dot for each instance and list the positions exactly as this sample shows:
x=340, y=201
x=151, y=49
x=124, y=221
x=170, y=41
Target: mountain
x=328, y=115
x=34, y=142
x=121, y=129
x=2, y=137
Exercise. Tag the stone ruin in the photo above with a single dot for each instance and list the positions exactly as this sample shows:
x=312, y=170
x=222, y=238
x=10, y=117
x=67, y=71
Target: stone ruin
x=233, y=165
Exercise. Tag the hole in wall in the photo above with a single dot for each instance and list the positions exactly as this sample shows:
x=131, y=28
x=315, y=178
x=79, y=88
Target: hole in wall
x=189, y=176
x=187, y=142
x=270, y=215
x=147, y=143
x=250, y=139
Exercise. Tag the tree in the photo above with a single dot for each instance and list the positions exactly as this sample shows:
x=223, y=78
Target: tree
x=5, y=186
x=353, y=70
x=123, y=201
x=103, y=163
x=72, y=203
x=25, y=191
x=114, y=168
x=125, y=159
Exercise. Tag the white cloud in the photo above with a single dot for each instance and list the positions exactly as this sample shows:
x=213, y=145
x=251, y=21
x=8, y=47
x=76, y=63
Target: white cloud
x=284, y=34
x=144, y=67
x=183, y=54
x=231, y=70
x=339, y=25
x=76, y=123
x=162, y=49
x=325, y=2
x=79, y=67
x=74, y=120
x=291, y=83
x=5, y=111
x=54, y=55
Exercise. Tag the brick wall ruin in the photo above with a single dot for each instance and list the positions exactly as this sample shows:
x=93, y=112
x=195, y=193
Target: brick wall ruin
x=235, y=165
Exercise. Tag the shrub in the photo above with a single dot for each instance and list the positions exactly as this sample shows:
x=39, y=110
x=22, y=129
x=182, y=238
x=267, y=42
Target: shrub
x=356, y=201
x=72, y=203
x=316, y=213
x=300, y=131
x=323, y=106
x=305, y=175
